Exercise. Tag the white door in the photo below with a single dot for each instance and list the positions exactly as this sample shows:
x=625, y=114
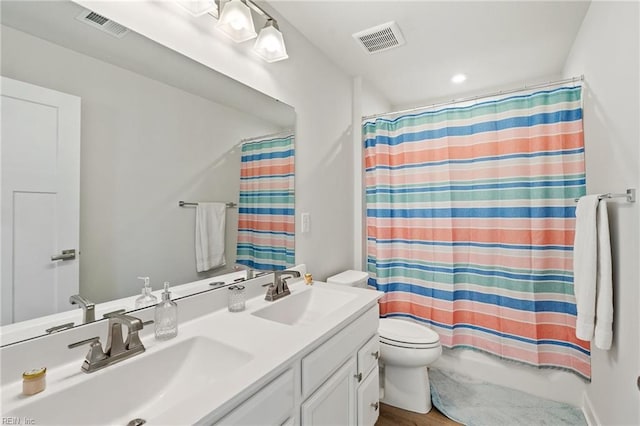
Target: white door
x=368, y=400
x=334, y=402
x=40, y=199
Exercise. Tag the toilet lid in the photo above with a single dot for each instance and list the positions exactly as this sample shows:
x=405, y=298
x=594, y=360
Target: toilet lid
x=396, y=330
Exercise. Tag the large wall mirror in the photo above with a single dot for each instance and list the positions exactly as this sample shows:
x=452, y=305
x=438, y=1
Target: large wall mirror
x=155, y=128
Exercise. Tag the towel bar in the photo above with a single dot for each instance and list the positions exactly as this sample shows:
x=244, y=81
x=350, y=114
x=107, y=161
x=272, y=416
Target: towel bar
x=630, y=195
x=185, y=204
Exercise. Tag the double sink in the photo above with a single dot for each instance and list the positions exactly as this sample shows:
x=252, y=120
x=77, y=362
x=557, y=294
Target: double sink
x=137, y=389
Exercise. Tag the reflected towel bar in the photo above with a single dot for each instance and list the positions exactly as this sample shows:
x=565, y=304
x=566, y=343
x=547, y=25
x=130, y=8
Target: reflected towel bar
x=184, y=204
x=630, y=195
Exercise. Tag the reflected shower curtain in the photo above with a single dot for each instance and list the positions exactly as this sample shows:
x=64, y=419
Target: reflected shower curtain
x=470, y=222
x=266, y=221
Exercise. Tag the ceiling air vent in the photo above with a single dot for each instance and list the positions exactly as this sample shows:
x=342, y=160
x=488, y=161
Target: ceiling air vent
x=380, y=38
x=104, y=24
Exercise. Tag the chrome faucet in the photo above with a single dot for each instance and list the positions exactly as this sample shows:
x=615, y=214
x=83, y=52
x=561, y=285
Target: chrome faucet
x=279, y=288
x=251, y=272
x=88, y=308
x=117, y=348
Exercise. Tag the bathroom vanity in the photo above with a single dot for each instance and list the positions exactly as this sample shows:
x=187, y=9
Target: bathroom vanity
x=308, y=358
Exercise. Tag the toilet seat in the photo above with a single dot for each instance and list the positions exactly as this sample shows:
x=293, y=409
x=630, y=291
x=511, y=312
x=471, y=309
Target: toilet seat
x=405, y=334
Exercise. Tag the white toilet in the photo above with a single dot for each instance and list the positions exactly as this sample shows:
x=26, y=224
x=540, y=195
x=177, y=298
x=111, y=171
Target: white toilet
x=406, y=349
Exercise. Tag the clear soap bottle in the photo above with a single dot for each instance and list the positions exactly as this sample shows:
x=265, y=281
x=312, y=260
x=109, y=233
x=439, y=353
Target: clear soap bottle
x=166, y=316
x=146, y=299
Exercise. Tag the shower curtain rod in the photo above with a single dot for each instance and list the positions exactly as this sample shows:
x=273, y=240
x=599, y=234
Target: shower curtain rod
x=255, y=139
x=473, y=98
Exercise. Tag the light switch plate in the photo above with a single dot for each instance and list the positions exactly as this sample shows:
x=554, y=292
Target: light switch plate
x=305, y=219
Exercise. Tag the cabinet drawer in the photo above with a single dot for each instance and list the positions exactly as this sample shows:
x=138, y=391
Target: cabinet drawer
x=272, y=405
x=368, y=356
x=322, y=362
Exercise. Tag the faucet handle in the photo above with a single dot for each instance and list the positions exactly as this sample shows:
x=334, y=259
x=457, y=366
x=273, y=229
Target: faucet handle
x=285, y=287
x=95, y=351
x=83, y=342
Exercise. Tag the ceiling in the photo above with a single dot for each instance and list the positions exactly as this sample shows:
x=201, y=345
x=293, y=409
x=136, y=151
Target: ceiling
x=498, y=45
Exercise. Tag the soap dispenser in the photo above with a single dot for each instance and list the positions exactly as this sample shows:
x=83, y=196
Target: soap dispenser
x=147, y=299
x=166, y=316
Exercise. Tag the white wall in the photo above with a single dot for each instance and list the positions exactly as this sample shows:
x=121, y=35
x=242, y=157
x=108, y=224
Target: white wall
x=367, y=100
x=145, y=145
x=606, y=51
x=373, y=102
x=317, y=89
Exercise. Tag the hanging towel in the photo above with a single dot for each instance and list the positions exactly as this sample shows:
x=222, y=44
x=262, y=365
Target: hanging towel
x=593, y=284
x=210, y=227
x=585, y=266
x=603, y=334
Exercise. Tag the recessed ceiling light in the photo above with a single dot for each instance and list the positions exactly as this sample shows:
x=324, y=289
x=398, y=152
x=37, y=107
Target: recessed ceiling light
x=458, y=78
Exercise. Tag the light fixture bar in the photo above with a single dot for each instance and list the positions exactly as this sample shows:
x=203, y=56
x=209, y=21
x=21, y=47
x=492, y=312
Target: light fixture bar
x=257, y=9
x=260, y=11
x=269, y=45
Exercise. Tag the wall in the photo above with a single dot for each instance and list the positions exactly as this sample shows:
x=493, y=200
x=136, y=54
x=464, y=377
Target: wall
x=606, y=51
x=317, y=89
x=145, y=145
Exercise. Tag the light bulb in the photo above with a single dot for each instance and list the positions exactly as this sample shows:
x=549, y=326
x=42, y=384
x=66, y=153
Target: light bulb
x=270, y=43
x=237, y=24
x=458, y=78
x=236, y=21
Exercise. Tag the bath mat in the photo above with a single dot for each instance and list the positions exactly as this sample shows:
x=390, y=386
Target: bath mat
x=477, y=403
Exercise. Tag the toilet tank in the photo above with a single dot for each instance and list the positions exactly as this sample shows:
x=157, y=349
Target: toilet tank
x=350, y=278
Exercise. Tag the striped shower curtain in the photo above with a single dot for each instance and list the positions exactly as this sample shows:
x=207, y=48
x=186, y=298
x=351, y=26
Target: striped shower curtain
x=470, y=223
x=266, y=224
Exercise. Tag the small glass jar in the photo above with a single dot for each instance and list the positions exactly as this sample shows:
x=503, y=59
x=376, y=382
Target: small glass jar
x=34, y=381
x=236, y=298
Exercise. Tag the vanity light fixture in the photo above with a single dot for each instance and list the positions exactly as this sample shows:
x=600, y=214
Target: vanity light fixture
x=236, y=22
x=270, y=43
x=199, y=7
x=458, y=78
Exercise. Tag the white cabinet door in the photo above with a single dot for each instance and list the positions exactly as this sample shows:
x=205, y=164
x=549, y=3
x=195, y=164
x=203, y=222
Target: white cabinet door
x=334, y=402
x=368, y=400
x=40, y=199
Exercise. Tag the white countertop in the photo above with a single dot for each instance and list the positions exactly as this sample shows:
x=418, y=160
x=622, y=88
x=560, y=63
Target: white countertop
x=272, y=346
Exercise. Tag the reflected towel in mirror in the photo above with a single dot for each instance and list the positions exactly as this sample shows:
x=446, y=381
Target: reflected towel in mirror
x=210, y=227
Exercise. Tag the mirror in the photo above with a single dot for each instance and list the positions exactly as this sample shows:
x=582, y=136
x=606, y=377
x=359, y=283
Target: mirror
x=155, y=128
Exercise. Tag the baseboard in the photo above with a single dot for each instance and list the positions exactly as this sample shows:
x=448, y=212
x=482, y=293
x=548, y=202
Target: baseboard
x=588, y=411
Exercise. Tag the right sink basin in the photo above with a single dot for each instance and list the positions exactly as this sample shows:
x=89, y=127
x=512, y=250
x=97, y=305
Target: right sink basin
x=306, y=307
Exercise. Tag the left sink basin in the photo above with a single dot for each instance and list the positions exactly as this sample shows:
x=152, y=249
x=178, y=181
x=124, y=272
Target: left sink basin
x=140, y=388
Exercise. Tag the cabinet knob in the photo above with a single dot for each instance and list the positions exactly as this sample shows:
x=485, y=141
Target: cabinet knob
x=358, y=376
x=375, y=406
x=376, y=354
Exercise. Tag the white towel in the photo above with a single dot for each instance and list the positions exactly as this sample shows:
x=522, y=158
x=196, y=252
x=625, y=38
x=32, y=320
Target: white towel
x=592, y=271
x=210, y=227
x=585, y=266
x=603, y=334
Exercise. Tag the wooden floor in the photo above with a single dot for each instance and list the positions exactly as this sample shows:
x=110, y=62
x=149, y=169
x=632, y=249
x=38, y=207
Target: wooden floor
x=391, y=416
